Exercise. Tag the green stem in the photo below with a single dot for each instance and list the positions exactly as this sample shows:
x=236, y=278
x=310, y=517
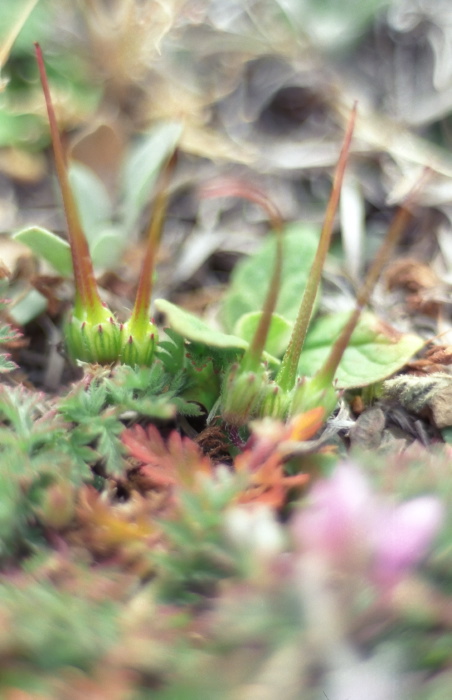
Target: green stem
x=288, y=372
x=87, y=299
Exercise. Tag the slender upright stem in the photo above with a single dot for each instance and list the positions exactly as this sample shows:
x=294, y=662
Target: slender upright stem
x=86, y=294
x=140, y=313
x=288, y=372
x=229, y=187
x=253, y=354
x=397, y=227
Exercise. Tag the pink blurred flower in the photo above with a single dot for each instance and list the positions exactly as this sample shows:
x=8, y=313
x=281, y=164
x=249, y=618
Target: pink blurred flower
x=356, y=530
x=403, y=536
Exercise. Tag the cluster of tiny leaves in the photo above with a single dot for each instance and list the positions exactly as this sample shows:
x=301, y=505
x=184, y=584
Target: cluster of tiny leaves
x=75, y=437
x=7, y=335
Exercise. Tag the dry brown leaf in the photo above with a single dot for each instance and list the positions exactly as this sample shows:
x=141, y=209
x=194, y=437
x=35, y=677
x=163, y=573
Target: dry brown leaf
x=24, y=167
x=411, y=153
x=101, y=148
x=429, y=395
x=126, y=35
x=419, y=282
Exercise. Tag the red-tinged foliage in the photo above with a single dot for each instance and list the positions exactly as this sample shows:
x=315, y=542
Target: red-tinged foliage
x=305, y=425
x=175, y=462
x=268, y=481
x=269, y=484
x=179, y=460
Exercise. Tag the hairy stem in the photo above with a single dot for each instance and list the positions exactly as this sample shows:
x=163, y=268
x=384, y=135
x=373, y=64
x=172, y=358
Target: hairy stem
x=288, y=372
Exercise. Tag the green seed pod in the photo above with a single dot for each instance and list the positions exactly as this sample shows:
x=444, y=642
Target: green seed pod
x=241, y=395
x=312, y=393
x=138, y=348
x=92, y=333
x=275, y=402
x=94, y=341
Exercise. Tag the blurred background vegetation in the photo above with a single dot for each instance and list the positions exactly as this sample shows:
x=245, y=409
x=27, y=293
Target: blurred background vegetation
x=258, y=89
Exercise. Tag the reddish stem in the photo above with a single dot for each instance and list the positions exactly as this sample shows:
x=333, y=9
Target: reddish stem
x=397, y=227
x=230, y=187
x=87, y=298
x=140, y=313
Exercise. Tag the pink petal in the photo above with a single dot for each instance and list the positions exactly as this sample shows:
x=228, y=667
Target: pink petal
x=404, y=535
x=340, y=511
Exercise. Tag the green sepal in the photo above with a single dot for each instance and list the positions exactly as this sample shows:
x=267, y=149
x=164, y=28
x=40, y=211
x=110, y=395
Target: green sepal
x=138, y=348
x=242, y=394
x=311, y=393
x=94, y=342
x=275, y=402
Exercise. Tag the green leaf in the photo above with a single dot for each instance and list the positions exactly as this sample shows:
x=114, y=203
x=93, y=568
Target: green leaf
x=7, y=335
x=106, y=249
x=196, y=330
x=143, y=165
x=250, y=278
x=222, y=348
x=29, y=307
x=6, y=365
x=19, y=129
x=47, y=245
x=375, y=351
x=171, y=351
x=93, y=201
x=52, y=628
x=446, y=434
x=278, y=335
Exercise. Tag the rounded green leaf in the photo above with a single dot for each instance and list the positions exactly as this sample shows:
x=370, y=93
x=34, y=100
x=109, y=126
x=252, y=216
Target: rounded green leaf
x=28, y=307
x=375, y=351
x=251, y=276
x=19, y=129
x=278, y=335
x=196, y=330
